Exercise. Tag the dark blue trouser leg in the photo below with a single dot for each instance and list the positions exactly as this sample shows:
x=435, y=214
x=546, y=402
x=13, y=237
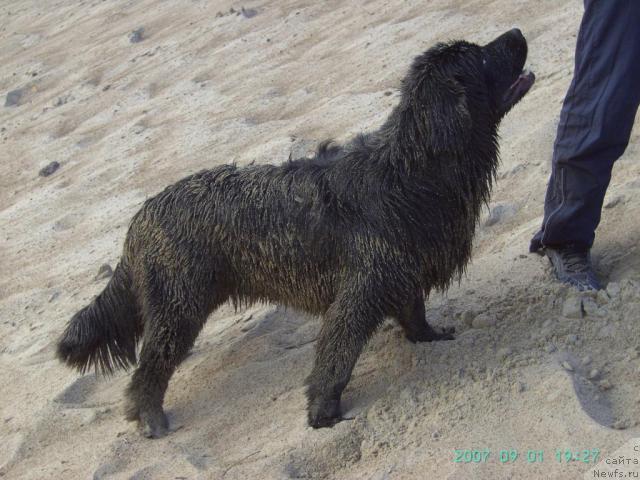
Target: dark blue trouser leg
x=595, y=122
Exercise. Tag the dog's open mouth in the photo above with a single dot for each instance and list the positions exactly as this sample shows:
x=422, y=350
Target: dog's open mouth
x=520, y=87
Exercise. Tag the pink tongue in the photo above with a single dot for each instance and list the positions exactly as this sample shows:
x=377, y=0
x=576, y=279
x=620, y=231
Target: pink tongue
x=523, y=76
x=518, y=80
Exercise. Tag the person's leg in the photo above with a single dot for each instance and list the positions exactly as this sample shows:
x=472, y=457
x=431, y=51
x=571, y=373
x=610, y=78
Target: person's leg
x=595, y=124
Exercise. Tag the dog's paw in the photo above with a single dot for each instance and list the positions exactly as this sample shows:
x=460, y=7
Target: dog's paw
x=324, y=413
x=324, y=422
x=153, y=424
x=446, y=334
x=432, y=335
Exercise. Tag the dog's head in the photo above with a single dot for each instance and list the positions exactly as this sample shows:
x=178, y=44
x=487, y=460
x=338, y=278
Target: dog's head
x=503, y=61
x=460, y=86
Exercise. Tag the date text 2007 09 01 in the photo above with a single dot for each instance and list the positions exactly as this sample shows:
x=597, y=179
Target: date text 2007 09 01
x=530, y=456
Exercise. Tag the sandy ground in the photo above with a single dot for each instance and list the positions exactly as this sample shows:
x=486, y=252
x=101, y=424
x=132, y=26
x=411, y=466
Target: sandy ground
x=534, y=367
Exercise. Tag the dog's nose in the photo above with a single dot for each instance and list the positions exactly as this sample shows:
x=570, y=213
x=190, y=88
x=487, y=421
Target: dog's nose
x=516, y=32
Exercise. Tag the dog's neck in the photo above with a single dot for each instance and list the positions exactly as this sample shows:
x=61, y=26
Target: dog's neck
x=428, y=182
x=465, y=172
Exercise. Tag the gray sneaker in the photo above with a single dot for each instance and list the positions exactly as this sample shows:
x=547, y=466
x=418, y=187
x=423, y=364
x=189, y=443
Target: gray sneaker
x=573, y=266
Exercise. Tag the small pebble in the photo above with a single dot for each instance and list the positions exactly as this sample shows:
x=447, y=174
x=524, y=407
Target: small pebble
x=567, y=366
x=499, y=213
x=13, y=98
x=605, y=385
x=62, y=100
x=138, y=128
x=614, y=201
x=594, y=373
x=613, y=289
x=602, y=297
x=573, y=307
x=620, y=425
x=137, y=35
x=467, y=317
x=49, y=169
x=590, y=307
x=248, y=12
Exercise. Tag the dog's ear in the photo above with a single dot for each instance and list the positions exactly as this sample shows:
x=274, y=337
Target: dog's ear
x=445, y=112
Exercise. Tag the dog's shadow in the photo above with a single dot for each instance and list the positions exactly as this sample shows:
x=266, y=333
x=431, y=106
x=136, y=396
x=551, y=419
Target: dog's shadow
x=260, y=366
x=252, y=362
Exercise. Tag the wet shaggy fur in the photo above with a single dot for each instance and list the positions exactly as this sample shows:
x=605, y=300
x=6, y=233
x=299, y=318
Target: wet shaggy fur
x=355, y=234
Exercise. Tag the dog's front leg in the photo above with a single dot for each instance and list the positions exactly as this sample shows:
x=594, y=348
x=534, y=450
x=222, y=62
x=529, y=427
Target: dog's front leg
x=348, y=324
x=414, y=322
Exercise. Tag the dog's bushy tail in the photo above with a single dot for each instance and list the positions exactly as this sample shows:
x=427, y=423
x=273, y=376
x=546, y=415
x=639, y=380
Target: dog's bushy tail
x=103, y=335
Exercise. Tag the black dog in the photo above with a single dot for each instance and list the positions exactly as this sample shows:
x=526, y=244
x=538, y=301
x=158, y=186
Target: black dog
x=354, y=234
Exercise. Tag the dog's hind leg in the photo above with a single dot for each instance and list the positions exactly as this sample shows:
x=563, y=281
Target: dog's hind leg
x=414, y=322
x=348, y=324
x=175, y=311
